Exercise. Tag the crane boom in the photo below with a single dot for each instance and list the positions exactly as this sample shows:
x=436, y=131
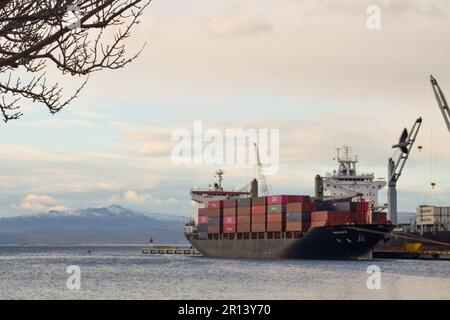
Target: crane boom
x=442, y=102
x=395, y=168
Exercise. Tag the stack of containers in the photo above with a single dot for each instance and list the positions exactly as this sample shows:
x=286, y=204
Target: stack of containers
x=259, y=214
x=202, y=224
x=298, y=214
x=276, y=213
x=329, y=218
x=431, y=215
x=229, y=216
x=244, y=218
x=214, y=217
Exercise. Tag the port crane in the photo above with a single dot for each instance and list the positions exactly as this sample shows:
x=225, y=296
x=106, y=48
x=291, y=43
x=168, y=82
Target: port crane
x=442, y=102
x=395, y=168
x=264, y=184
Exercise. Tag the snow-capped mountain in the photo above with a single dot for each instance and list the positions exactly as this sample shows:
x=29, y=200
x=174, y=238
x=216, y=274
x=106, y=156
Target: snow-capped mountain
x=113, y=224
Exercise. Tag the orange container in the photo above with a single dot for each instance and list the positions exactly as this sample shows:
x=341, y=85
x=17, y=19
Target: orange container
x=229, y=211
x=260, y=218
x=258, y=210
x=243, y=220
x=243, y=228
x=258, y=227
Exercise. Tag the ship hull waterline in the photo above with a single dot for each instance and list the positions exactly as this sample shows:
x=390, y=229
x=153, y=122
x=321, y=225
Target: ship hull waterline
x=326, y=243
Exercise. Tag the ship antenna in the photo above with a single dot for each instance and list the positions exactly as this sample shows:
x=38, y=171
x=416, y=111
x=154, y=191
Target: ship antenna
x=219, y=174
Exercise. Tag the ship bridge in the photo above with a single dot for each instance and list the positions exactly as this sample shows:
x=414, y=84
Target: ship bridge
x=345, y=182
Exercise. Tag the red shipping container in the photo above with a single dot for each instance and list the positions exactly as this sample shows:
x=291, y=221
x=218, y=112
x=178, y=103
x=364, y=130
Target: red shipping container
x=362, y=206
x=382, y=218
x=203, y=212
x=215, y=204
x=293, y=226
x=229, y=203
x=274, y=217
x=244, y=211
x=229, y=211
x=260, y=218
x=213, y=229
x=294, y=207
x=274, y=227
x=243, y=220
x=298, y=226
x=286, y=199
x=229, y=220
x=258, y=210
x=202, y=219
x=259, y=201
x=243, y=228
x=229, y=229
x=334, y=217
x=319, y=223
x=214, y=212
x=276, y=200
x=259, y=227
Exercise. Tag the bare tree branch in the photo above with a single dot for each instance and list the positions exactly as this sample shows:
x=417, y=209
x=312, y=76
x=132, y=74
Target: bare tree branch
x=34, y=33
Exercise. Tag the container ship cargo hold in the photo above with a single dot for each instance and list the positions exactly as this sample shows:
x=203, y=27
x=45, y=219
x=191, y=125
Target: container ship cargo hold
x=243, y=225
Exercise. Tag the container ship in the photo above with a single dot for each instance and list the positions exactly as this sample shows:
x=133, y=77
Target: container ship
x=233, y=224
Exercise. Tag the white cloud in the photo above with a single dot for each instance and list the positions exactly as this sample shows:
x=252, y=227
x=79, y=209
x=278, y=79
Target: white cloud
x=34, y=202
x=133, y=197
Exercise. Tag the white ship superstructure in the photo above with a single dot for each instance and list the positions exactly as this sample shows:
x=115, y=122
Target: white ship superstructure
x=346, y=182
x=215, y=192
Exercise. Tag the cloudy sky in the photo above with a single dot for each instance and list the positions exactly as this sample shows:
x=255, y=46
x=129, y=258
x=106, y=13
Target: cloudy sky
x=310, y=68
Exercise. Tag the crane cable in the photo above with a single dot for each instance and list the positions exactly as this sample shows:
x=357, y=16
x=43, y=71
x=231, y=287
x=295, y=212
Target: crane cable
x=433, y=193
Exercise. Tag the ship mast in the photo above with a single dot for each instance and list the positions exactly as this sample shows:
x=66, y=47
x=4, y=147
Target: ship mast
x=347, y=164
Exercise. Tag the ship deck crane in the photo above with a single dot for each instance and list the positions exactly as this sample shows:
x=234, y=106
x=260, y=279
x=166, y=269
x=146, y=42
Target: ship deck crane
x=395, y=168
x=442, y=102
x=264, y=185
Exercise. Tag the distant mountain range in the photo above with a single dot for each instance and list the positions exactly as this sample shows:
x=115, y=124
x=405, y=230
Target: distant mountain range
x=106, y=225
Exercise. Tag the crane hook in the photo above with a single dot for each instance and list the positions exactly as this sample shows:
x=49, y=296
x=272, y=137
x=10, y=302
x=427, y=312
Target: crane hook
x=433, y=185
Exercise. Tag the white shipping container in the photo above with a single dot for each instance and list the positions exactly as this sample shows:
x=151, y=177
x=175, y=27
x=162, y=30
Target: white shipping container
x=428, y=220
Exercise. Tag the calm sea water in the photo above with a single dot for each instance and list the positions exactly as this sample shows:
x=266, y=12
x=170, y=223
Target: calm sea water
x=123, y=273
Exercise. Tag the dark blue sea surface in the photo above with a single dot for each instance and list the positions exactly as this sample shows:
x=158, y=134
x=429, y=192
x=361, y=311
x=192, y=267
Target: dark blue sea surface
x=122, y=272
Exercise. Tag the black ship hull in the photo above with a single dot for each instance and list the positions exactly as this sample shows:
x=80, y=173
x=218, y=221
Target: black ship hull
x=345, y=242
